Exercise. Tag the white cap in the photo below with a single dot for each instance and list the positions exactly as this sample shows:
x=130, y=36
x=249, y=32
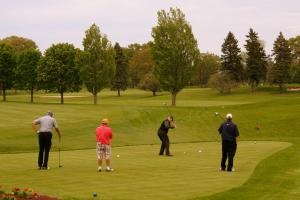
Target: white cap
x=229, y=116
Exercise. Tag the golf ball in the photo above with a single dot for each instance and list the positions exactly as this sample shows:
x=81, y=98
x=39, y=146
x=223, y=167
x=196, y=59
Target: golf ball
x=199, y=151
x=254, y=142
x=118, y=156
x=94, y=194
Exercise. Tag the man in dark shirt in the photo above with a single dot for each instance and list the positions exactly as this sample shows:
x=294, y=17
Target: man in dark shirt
x=229, y=133
x=163, y=135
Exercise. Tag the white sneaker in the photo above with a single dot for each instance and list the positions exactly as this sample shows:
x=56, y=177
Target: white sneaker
x=99, y=169
x=108, y=169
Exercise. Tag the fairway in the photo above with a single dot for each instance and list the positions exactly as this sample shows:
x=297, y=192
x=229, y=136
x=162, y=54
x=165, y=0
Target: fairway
x=268, y=169
x=139, y=172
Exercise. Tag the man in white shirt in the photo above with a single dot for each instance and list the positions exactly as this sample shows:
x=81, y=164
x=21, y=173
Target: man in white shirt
x=47, y=123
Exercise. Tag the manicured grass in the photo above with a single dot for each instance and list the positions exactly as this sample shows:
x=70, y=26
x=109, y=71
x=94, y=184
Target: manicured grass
x=135, y=117
x=139, y=172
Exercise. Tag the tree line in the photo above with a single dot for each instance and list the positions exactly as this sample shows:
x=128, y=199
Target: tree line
x=170, y=62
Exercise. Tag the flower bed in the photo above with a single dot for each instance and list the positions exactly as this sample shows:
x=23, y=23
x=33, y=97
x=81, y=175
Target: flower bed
x=23, y=194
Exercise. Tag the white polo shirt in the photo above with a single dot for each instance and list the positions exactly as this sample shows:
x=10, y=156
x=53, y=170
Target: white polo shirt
x=46, y=123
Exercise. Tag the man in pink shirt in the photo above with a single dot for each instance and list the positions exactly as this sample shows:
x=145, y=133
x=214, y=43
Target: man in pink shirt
x=103, y=137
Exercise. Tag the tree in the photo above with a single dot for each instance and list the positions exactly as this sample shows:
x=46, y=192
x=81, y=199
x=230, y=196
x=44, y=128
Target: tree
x=140, y=64
x=120, y=80
x=283, y=59
x=174, y=51
x=19, y=44
x=58, y=71
x=149, y=82
x=98, y=61
x=295, y=67
x=26, y=72
x=208, y=65
x=256, y=64
x=231, y=58
x=7, y=68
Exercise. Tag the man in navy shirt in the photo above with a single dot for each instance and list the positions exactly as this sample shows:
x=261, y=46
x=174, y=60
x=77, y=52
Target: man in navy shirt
x=229, y=133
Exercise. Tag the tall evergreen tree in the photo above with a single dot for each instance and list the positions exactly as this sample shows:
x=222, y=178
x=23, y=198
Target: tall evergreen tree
x=7, y=68
x=26, y=73
x=120, y=81
x=97, y=61
x=283, y=59
x=231, y=58
x=256, y=64
x=174, y=50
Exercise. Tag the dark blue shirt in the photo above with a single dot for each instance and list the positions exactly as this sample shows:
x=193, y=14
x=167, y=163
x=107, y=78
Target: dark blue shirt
x=228, y=131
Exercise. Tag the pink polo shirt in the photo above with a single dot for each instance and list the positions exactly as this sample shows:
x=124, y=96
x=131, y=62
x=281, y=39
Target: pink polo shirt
x=103, y=134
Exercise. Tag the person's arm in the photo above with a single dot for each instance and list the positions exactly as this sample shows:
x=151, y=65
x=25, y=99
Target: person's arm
x=220, y=129
x=57, y=129
x=58, y=133
x=237, y=134
x=34, y=126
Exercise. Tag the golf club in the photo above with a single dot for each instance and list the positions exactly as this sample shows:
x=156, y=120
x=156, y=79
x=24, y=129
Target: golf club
x=218, y=115
x=59, y=163
x=165, y=104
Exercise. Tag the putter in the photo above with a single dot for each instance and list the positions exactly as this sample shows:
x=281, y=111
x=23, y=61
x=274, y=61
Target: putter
x=59, y=163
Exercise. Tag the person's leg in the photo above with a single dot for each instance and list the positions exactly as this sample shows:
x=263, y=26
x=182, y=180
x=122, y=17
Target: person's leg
x=231, y=154
x=224, y=155
x=99, y=152
x=41, y=150
x=167, y=145
x=162, y=148
x=107, y=157
x=48, y=137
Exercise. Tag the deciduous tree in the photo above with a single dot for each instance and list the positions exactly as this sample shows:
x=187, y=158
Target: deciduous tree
x=26, y=72
x=58, y=72
x=175, y=51
x=98, y=64
x=7, y=68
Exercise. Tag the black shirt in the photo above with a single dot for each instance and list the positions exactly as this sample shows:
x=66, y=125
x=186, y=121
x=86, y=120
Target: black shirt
x=164, y=127
x=229, y=131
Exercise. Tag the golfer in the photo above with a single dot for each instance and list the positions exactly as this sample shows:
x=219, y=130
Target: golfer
x=163, y=135
x=103, y=149
x=46, y=123
x=229, y=132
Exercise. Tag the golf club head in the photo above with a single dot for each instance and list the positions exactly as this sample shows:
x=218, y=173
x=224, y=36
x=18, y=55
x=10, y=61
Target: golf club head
x=60, y=166
x=216, y=114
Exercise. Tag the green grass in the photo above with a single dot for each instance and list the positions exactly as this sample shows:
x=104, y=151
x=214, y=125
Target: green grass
x=135, y=117
x=139, y=172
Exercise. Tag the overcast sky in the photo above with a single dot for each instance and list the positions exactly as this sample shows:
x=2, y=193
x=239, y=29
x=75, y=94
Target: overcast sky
x=130, y=21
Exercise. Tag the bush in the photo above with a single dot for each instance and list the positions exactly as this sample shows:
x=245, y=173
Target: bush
x=222, y=82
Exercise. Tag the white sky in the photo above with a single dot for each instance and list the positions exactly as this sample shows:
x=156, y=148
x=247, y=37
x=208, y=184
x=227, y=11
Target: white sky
x=130, y=21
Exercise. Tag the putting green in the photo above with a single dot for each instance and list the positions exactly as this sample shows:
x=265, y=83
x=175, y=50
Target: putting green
x=139, y=172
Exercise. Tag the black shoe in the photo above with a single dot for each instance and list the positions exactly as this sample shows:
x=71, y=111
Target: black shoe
x=160, y=154
x=169, y=155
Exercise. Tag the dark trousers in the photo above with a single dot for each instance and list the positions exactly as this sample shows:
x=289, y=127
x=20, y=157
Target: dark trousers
x=165, y=144
x=228, y=151
x=45, y=145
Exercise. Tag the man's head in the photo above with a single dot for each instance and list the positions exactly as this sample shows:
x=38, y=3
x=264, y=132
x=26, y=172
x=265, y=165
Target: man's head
x=104, y=121
x=229, y=116
x=170, y=118
x=50, y=113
